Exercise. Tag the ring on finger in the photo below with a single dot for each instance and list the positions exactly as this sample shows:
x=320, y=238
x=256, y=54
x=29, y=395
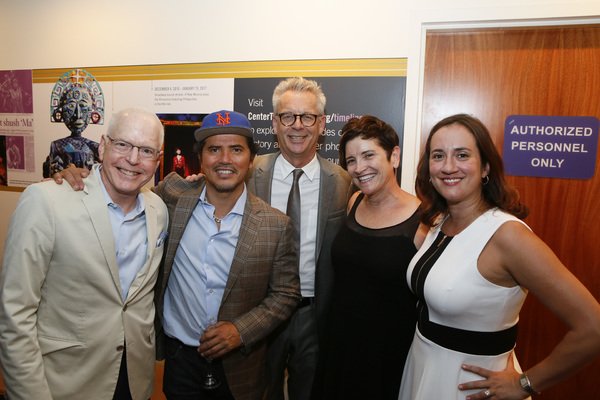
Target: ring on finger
x=487, y=393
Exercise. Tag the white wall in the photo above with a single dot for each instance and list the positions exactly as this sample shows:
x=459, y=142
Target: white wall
x=38, y=34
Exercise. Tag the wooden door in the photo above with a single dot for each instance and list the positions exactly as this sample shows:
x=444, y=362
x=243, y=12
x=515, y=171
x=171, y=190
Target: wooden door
x=494, y=73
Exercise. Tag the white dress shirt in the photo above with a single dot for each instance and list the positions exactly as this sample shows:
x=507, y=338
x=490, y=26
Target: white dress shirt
x=309, y=203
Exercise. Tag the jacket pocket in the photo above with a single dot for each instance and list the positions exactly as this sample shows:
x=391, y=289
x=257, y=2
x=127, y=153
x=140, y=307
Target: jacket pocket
x=50, y=345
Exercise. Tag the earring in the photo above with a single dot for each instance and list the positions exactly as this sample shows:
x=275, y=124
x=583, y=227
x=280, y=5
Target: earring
x=485, y=180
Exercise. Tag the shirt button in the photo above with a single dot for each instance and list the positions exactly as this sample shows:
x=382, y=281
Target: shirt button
x=120, y=348
x=210, y=291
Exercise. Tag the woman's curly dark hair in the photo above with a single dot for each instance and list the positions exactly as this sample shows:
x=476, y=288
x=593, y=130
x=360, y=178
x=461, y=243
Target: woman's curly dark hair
x=368, y=127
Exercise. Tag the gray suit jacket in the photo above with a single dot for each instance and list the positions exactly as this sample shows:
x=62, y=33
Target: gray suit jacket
x=334, y=193
x=63, y=320
x=263, y=288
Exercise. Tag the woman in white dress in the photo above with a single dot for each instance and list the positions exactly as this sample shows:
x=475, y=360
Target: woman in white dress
x=472, y=274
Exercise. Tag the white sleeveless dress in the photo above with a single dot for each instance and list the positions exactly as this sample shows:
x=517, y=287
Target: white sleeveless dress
x=458, y=296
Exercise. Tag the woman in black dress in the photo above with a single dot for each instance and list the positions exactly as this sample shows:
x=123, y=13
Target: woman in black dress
x=372, y=318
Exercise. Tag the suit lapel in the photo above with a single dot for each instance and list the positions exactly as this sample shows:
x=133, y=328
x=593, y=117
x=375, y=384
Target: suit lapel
x=248, y=233
x=263, y=175
x=186, y=204
x=152, y=234
x=326, y=191
x=94, y=202
x=180, y=211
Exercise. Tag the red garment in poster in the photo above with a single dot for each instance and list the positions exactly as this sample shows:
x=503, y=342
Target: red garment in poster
x=179, y=165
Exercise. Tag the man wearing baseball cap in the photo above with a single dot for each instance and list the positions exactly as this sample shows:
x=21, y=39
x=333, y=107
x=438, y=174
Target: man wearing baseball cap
x=230, y=273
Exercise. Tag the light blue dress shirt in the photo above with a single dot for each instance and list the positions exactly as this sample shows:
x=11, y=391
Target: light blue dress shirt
x=200, y=271
x=131, y=238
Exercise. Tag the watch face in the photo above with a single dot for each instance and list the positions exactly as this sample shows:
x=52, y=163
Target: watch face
x=526, y=384
x=524, y=380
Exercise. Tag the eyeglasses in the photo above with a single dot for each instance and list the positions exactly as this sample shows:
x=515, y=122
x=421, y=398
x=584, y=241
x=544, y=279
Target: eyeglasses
x=124, y=147
x=289, y=119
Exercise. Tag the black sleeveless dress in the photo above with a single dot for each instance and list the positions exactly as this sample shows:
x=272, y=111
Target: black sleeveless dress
x=373, y=315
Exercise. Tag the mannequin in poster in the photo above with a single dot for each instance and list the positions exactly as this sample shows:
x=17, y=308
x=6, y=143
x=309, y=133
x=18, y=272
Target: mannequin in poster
x=179, y=165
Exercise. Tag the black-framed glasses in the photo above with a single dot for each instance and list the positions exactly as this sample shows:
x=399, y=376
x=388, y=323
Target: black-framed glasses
x=289, y=119
x=124, y=147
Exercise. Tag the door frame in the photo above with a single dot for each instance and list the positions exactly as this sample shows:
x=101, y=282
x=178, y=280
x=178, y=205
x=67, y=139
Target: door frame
x=447, y=20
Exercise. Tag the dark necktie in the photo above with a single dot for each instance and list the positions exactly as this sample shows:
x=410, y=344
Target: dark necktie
x=293, y=207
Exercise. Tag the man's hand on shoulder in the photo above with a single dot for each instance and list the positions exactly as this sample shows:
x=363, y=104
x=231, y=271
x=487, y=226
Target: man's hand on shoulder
x=194, y=177
x=73, y=175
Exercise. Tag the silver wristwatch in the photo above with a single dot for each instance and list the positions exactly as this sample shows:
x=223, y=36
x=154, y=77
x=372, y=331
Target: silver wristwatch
x=526, y=384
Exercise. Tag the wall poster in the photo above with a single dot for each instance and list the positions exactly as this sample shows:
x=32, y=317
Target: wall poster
x=16, y=127
x=44, y=114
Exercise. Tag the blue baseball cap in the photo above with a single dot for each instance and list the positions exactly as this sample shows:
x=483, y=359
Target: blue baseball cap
x=224, y=122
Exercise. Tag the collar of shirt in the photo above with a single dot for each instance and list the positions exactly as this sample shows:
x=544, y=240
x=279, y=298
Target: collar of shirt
x=238, y=208
x=286, y=168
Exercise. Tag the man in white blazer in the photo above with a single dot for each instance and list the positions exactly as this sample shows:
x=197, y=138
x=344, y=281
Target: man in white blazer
x=78, y=276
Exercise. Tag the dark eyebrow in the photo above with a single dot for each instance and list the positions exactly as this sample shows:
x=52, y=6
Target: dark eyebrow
x=454, y=150
x=463, y=149
x=219, y=146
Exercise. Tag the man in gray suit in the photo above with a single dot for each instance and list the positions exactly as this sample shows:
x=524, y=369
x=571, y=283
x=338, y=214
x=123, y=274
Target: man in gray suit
x=230, y=264
x=298, y=121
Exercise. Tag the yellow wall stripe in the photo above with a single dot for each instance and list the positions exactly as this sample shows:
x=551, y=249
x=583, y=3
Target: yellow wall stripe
x=256, y=69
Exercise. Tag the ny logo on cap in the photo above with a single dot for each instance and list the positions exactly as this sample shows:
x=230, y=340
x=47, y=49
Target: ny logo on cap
x=223, y=121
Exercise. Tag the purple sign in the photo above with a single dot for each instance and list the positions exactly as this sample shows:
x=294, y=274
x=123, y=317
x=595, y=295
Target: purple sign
x=550, y=146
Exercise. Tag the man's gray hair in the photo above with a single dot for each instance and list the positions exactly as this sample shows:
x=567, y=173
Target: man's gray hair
x=299, y=84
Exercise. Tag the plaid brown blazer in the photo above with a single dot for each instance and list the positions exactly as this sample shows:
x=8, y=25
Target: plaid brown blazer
x=263, y=288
